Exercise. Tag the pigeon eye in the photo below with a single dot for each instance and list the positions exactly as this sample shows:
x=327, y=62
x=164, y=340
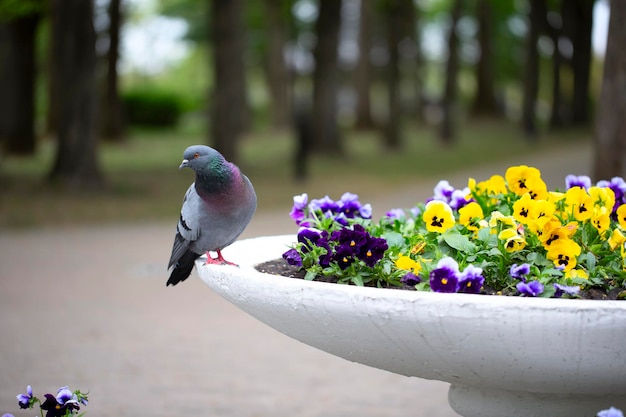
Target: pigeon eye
x=195, y=155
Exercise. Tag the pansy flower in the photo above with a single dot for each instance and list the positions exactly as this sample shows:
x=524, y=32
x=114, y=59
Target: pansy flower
x=601, y=219
x=561, y=290
x=563, y=253
x=470, y=215
x=471, y=280
x=579, y=203
x=523, y=208
x=26, y=400
x=618, y=185
x=513, y=241
x=520, y=177
x=438, y=216
x=299, y=205
x=445, y=277
x=616, y=239
x=292, y=256
x=610, y=412
x=519, y=271
x=373, y=250
x=582, y=181
x=410, y=279
x=530, y=289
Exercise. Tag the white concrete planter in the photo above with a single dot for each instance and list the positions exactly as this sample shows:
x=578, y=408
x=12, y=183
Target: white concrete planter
x=503, y=356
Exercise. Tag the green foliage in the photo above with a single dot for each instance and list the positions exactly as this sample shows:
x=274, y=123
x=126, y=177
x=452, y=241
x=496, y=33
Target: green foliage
x=14, y=9
x=152, y=107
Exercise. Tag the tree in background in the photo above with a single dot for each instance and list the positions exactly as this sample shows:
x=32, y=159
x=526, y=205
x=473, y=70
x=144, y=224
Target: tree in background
x=228, y=101
x=111, y=114
x=326, y=137
x=485, y=99
x=536, y=17
x=449, y=103
x=18, y=28
x=363, y=70
x=73, y=48
x=610, y=124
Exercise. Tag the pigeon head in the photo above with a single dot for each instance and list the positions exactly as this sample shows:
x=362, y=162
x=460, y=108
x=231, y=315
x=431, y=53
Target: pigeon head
x=200, y=158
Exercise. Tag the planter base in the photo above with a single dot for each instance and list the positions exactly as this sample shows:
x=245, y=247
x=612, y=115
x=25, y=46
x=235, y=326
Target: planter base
x=476, y=402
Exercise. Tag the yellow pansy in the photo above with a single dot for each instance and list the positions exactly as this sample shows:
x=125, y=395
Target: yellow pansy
x=601, y=219
x=563, y=252
x=522, y=208
x=518, y=177
x=537, y=189
x=576, y=273
x=438, y=216
x=621, y=215
x=406, y=263
x=580, y=203
x=470, y=215
x=513, y=241
x=497, y=218
x=602, y=197
x=616, y=239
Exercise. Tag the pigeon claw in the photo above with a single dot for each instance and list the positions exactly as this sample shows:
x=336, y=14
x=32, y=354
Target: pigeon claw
x=210, y=260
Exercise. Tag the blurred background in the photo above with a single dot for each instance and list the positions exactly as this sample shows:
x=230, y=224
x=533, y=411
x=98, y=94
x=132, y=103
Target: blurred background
x=382, y=98
x=100, y=98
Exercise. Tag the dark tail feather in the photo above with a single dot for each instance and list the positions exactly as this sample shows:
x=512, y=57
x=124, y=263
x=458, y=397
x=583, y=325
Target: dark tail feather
x=183, y=268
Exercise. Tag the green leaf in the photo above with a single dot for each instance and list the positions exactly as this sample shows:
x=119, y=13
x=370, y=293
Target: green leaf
x=458, y=241
x=394, y=239
x=310, y=275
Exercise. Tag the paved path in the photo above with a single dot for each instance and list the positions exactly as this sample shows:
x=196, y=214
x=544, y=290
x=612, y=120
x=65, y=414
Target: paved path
x=88, y=307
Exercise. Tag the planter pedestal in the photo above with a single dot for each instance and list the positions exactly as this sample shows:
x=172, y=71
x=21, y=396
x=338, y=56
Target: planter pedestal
x=503, y=356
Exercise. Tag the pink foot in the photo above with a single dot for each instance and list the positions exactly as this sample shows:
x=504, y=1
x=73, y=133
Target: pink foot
x=217, y=261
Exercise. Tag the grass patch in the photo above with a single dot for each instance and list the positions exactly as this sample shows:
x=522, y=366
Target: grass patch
x=144, y=184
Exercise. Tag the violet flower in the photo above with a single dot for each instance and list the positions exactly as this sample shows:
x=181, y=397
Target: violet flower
x=25, y=400
x=445, y=277
x=582, y=181
x=410, y=279
x=520, y=271
x=530, y=289
x=611, y=412
x=471, y=280
x=566, y=289
x=299, y=205
x=292, y=256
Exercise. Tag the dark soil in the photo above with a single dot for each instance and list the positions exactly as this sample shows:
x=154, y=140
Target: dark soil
x=280, y=267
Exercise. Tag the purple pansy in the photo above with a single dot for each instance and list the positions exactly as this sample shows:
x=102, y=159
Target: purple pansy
x=410, y=279
x=292, y=256
x=443, y=191
x=566, y=289
x=24, y=400
x=373, y=250
x=325, y=205
x=396, y=213
x=458, y=199
x=299, y=205
x=530, y=289
x=520, y=271
x=582, y=181
x=471, y=280
x=445, y=277
x=59, y=405
x=344, y=256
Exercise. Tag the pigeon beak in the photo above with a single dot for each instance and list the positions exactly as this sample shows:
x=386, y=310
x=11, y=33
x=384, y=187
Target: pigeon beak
x=184, y=164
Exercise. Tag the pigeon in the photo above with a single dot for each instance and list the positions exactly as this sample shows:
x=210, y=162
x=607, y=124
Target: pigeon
x=216, y=209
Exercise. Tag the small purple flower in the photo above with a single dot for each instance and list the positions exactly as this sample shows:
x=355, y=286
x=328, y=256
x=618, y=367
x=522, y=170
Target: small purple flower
x=566, y=289
x=443, y=191
x=59, y=405
x=394, y=214
x=365, y=211
x=582, y=181
x=373, y=250
x=530, y=289
x=299, y=205
x=344, y=256
x=458, y=198
x=310, y=237
x=325, y=205
x=471, y=280
x=445, y=277
x=64, y=396
x=351, y=239
x=25, y=400
x=520, y=271
x=293, y=257
x=349, y=205
x=410, y=279
x=611, y=412
x=416, y=212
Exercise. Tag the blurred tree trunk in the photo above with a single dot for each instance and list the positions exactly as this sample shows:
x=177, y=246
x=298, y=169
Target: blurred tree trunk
x=326, y=136
x=447, y=132
x=610, y=124
x=581, y=59
x=276, y=71
x=17, y=84
x=73, y=38
x=536, y=17
x=555, y=31
x=400, y=28
x=228, y=99
x=485, y=101
x=112, y=124
x=362, y=76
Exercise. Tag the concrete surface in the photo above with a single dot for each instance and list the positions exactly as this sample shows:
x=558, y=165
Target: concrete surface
x=88, y=307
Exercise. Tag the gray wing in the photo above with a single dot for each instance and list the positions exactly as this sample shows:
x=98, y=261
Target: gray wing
x=188, y=229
